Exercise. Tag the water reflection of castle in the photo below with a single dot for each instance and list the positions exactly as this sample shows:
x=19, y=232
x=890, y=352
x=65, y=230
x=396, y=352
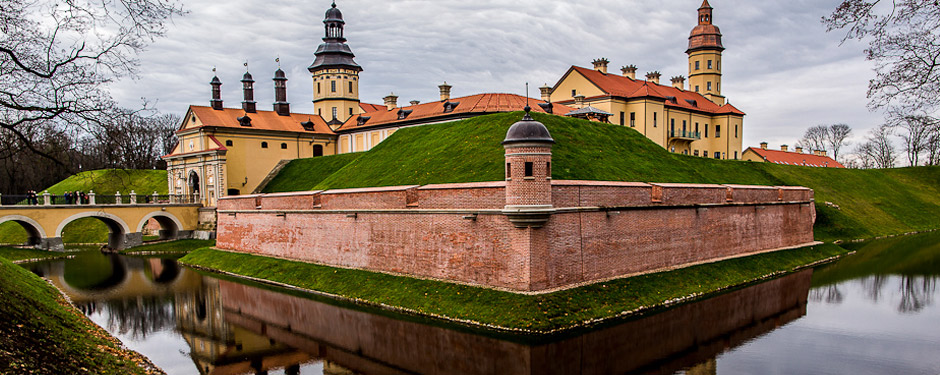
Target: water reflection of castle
x=232, y=328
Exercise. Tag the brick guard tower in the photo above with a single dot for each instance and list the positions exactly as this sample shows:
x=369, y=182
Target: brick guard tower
x=528, y=173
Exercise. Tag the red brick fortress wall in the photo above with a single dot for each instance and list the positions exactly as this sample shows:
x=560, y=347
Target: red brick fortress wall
x=458, y=232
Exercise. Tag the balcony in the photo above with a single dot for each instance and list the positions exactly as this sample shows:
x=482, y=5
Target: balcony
x=682, y=135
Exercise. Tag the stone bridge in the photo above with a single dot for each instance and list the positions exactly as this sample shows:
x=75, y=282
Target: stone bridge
x=45, y=223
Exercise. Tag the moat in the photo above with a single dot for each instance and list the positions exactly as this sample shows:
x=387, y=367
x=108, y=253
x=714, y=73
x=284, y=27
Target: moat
x=873, y=312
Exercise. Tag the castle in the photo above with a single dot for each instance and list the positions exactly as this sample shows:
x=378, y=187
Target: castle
x=230, y=151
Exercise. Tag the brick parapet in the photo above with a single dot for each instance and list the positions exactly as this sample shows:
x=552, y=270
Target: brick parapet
x=456, y=232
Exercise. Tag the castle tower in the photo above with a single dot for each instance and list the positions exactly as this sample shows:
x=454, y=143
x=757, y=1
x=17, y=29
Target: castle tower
x=705, y=56
x=528, y=173
x=335, y=74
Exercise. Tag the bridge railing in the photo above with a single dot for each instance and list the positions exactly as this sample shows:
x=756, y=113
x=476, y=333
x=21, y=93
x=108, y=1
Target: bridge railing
x=98, y=200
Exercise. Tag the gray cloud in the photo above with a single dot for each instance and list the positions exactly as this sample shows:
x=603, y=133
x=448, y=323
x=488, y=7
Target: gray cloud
x=780, y=66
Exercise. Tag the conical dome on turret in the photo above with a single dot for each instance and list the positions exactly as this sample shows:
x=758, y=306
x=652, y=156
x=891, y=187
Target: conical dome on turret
x=705, y=35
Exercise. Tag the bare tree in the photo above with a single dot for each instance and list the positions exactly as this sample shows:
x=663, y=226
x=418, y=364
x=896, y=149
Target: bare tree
x=933, y=147
x=877, y=151
x=815, y=138
x=835, y=138
x=56, y=59
x=904, y=43
x=916, y=131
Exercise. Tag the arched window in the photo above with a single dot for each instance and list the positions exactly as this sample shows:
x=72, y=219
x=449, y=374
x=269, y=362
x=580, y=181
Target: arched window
x=229, y=143
x=283, y=146
x=264, y=144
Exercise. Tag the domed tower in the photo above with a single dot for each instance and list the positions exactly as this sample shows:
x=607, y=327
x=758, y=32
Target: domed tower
x=335, y=74
x=528, y=173
x=705, y=56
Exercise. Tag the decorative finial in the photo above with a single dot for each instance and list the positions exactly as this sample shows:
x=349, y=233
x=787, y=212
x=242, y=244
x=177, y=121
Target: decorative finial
x=246, y=65
x=278, y=61
x=527, y=117
x=334, y=3
x=213, y=70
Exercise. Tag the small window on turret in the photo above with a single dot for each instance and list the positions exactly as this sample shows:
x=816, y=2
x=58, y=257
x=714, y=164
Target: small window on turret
x=698, y=65
x=528, y=169
x=350, y=88
x=333, y=86
x=709, y=64
x=508, y=171
x=548, y=169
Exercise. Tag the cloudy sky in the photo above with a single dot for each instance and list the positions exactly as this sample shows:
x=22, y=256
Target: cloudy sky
x=780, y=66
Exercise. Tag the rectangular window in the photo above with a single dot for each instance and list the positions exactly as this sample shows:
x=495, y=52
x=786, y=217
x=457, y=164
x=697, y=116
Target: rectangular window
x=704, y=153
x=684, y=129
x=574, y=93
x=333, y=86
x=654, y=119
x=696, y=153
x=548, y=169
x=735, y=132
x=709, y=64
x=706, y=132
x=708, y=86
x=697, y=88
x=621, y=118
x=350, y=88
x=698, y=65
x=717, y=131
x=350, y=112
x=318, y=87
x=717, y=155
x=735, y=155
x=528, y=169
x=696, y=127
x=334, y=112
x=508, y=171
x=632, y=119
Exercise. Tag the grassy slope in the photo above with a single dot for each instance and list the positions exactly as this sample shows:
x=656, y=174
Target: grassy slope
x=541, y=313
x=103, y=182
x=51, y=336
x=873, y=202
x=304, y=174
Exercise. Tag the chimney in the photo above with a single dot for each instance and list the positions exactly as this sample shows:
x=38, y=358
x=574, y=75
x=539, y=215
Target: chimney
x=763, y=145
x=391, y=101
x=678, y=82
x=445, y=91
x=579, y=101
x=629, y=71
x=653, y=77
x=823, y=153
x=248, y=87
x=546, y=93
x=415, y=102
x=600, y=65
x=799, y=149
x=216, y=101
x=281, y=106
x=816, y=152
x=784, y=148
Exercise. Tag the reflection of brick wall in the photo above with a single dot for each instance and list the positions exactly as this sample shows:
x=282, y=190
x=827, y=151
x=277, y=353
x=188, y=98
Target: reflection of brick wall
x=376, y=344
x=457, y=232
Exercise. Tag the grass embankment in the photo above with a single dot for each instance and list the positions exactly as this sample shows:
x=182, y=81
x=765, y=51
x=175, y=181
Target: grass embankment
x=900, y=256
x=41, y=333
x=171, y=247
x=304, y=174
x=872, y=202
x=15, y=255
x=104, y=182
x=541, y=313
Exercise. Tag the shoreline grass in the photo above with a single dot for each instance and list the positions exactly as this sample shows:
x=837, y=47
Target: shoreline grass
x=169, y=247
x=506, y=311
x=19, y=255
x=41, y=332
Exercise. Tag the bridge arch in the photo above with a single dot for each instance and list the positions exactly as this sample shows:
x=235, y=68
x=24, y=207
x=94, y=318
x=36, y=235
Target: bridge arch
x=170, y=225
x=33, y=229
x=118, y=228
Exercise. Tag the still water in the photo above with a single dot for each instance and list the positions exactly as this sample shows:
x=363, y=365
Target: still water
x=874, y=312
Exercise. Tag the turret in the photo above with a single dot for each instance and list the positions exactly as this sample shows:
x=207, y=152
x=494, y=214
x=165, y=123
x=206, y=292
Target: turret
x=216, y=101
x=281, y=106
x=335, y=73
x=248, y=87
x=704, y=52
x=528, y=146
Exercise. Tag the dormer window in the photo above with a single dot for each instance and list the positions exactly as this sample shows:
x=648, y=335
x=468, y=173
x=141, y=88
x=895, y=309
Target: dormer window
x=244, y=120
x=308, y=125
x=450, y=106
x=403, y=113
x=547, y=107
x=692, y=102
x=672, y=99
x=362, y=120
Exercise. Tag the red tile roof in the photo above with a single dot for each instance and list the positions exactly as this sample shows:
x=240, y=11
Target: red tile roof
x=793, y=158
x=617, y=85
x=367, y=107
x=469, y=105
x=261, y=120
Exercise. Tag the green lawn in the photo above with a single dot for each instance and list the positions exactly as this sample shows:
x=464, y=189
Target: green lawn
x=15, y=254
x=51, y=336
x=543, y=313
x=178, y=246
x=304, y=174
x=873, y=202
